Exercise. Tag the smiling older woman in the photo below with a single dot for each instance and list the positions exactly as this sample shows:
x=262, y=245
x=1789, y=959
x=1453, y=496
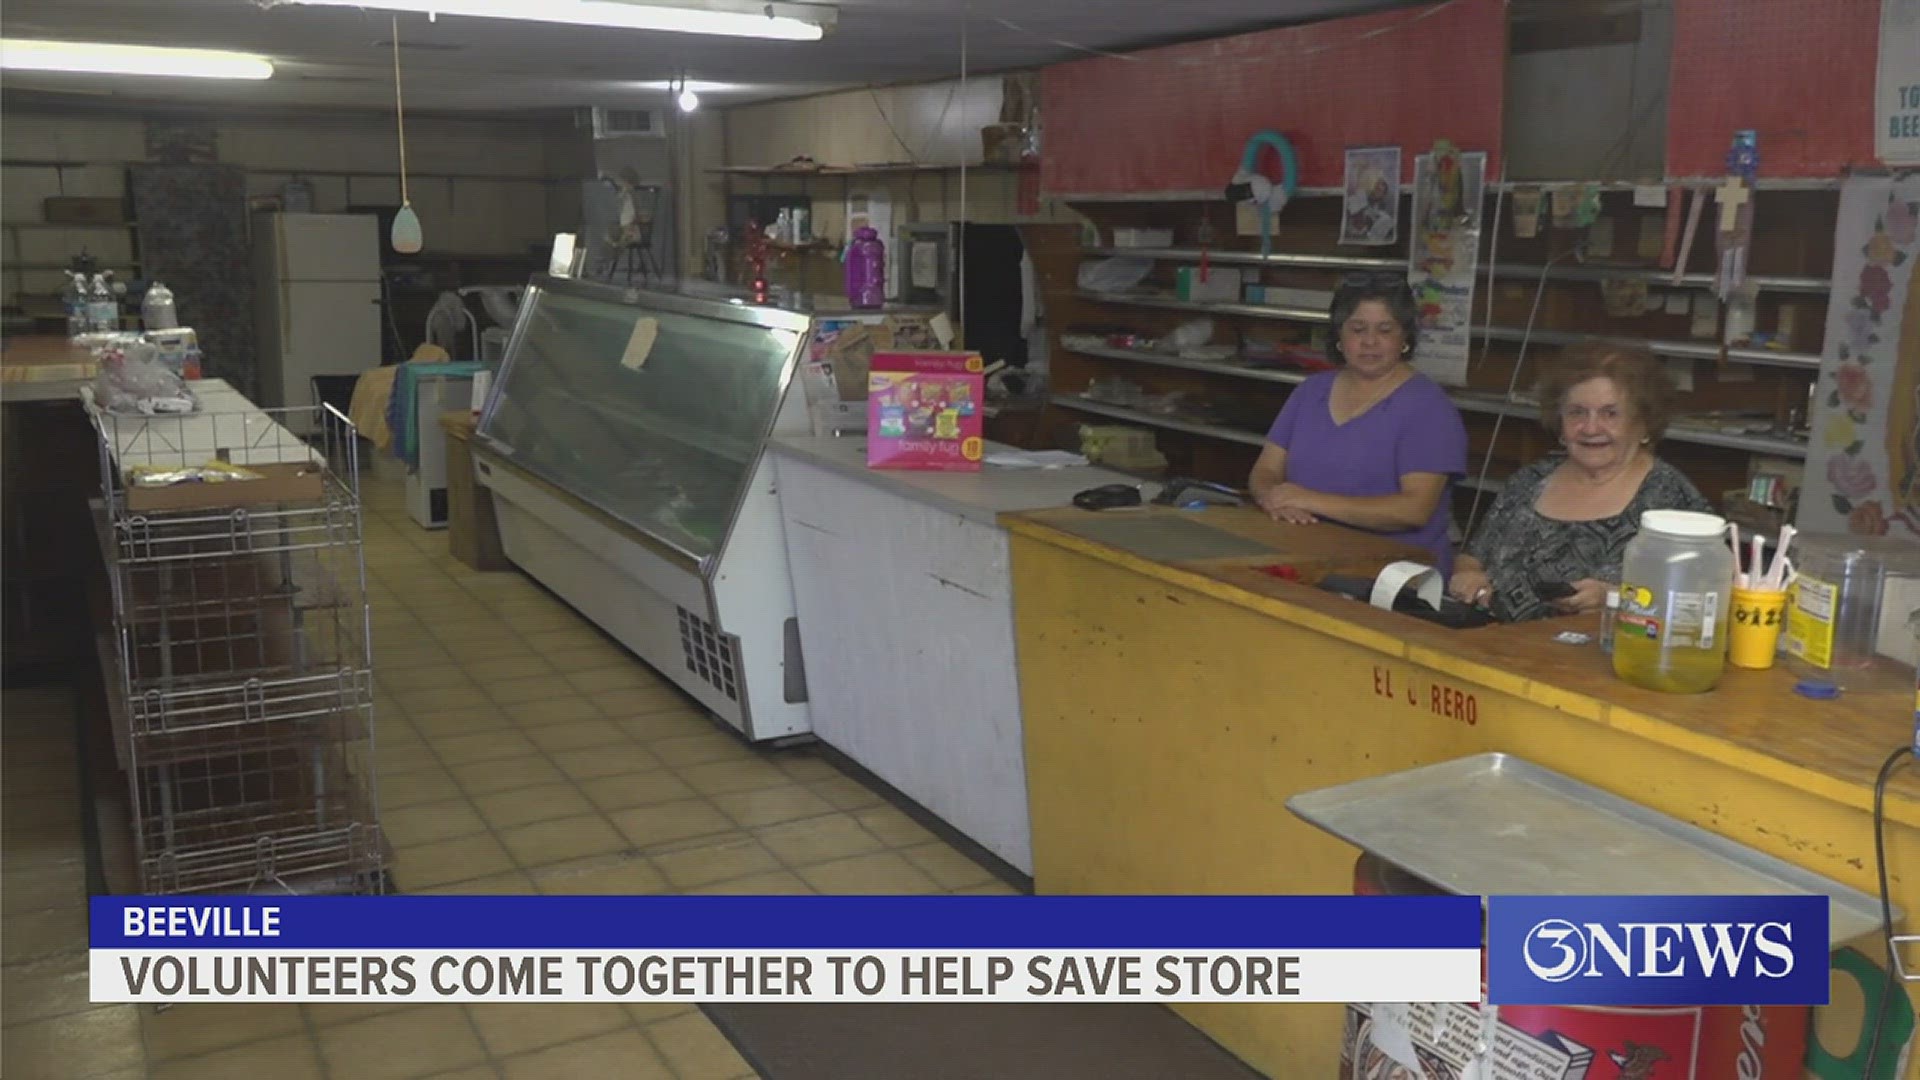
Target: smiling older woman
x=1566, y=519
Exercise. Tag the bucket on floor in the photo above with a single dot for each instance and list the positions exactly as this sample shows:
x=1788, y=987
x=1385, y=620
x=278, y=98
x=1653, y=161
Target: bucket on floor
x=1566, y=1042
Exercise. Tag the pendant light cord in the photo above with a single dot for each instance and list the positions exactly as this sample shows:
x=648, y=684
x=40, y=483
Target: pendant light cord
x=400, y=112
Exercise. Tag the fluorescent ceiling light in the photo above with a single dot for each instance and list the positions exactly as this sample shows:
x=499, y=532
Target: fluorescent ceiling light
x=695, y=85
x=784, y=22
x=95, y=59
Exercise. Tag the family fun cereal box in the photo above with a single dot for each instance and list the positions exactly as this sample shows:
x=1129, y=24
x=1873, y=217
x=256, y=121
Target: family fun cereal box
x=923, y=411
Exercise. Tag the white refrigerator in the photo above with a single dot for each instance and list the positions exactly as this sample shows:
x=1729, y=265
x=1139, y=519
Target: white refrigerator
x=317, y=301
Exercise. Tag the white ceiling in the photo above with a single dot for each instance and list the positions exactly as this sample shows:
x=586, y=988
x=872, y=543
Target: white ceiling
x=328, y=56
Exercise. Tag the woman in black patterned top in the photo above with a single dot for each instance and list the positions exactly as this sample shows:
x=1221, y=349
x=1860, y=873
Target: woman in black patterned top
x=1567, y=518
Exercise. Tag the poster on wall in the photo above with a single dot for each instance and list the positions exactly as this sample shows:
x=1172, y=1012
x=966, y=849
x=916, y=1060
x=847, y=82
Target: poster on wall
x=1372, y=212
x=1445, y=259
x=1896, y=95
x=1863, y=464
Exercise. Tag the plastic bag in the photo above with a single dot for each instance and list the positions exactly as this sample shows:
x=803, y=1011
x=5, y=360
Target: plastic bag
x=132, y=379
x=213, y=472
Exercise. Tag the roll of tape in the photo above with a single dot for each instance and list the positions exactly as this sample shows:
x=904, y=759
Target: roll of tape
x=1425, y=579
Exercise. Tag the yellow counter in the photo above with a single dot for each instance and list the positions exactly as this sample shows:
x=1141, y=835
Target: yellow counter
x=1172, y=707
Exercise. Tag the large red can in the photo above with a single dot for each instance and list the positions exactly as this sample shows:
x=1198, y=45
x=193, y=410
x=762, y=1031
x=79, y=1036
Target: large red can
x=1569, y=1043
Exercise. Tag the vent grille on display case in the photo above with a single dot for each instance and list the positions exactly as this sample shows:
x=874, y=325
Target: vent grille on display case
x=709, y=654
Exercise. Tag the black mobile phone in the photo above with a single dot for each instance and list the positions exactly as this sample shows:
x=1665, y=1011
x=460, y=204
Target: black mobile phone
x=1553, y=590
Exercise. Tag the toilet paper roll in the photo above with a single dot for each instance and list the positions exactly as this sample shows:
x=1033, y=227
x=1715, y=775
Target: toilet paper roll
x=1425, y=579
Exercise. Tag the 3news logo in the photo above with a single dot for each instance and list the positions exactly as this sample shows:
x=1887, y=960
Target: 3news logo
x=1657, y=950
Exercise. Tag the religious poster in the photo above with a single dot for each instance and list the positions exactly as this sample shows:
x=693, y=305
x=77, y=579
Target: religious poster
x=1863, y=465
x=1444, y=260
x=1896, y=93
x=1372, y=211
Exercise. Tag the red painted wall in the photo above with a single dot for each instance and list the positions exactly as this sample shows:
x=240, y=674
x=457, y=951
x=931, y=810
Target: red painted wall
x=1799, y=72
x=1176, y=118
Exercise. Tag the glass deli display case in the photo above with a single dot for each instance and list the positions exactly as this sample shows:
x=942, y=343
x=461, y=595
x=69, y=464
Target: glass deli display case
x=625, y=447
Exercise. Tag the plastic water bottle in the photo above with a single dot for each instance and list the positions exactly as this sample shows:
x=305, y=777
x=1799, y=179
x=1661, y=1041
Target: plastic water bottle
x=103, y=311
x=79, y=321
x=156, y=309
x=866, y=270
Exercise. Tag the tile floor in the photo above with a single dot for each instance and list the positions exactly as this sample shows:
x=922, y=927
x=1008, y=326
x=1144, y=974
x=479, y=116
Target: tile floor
x=520, y=751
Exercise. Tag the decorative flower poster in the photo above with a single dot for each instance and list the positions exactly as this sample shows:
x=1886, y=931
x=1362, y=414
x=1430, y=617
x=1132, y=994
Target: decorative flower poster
x=1863, y=466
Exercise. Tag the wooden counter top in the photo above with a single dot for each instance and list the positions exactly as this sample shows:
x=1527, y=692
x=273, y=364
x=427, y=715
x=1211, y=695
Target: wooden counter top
x=1752, y=721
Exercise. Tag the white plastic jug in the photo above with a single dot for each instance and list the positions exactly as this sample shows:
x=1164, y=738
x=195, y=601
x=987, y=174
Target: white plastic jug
x=1676, y=593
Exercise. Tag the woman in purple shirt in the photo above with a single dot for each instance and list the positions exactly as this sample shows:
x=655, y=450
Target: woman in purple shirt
x=1375, y=445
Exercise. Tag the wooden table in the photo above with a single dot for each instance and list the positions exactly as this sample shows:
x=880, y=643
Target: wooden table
x=1173, y=707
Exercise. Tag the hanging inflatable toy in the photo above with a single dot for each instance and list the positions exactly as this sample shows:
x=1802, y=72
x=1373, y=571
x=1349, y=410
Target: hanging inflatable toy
x=1250, y=187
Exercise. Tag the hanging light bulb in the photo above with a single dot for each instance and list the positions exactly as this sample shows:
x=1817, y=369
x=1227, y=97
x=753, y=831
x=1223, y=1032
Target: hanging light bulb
x=688, y=100
x=405, y=235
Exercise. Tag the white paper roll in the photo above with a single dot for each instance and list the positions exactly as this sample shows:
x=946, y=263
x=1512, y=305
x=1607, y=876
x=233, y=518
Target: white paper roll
x=482, y=382
x=1426, y=582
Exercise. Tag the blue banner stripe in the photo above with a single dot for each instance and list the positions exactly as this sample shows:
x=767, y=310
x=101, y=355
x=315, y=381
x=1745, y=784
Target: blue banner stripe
x=807, y=922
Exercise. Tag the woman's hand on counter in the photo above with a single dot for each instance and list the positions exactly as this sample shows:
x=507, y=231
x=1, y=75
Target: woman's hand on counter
x=1471, y=586
x=1588, y=595
x=1286, y=502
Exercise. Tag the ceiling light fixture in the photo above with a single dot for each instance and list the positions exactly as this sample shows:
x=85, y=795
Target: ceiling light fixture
x=779, y=21
x=688, y=100
x=92, y=58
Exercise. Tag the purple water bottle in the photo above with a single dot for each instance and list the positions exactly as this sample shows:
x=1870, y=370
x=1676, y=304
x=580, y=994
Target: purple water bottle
x=866, y=270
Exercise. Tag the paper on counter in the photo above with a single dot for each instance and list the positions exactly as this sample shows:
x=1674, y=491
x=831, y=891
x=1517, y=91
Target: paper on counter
x=1425, y=579
x=640, y=343
x=1034, y=459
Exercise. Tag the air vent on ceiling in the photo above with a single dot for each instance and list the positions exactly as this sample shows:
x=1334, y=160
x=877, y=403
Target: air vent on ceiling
x=709, y=654
x=628, y=123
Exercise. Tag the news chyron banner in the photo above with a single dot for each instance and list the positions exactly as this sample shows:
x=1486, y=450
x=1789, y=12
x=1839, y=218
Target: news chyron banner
x=1342, y=949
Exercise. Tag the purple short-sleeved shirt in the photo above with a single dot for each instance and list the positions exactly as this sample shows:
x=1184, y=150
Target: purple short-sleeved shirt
x=1416, y=429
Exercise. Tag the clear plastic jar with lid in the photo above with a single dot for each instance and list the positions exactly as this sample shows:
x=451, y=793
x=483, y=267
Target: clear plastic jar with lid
x=1675, y=595
x=1834, y=634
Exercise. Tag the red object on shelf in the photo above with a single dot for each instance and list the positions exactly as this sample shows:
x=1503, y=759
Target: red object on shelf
x=1283, y=571
x=1800, y=73
x=1624, y=1043
x=1178, y=118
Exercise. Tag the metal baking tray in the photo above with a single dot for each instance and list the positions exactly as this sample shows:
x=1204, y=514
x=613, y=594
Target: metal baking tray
x=1494, y=824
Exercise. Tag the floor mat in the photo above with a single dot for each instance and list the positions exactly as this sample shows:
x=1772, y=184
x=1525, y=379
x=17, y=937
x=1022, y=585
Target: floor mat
x=972, y=1042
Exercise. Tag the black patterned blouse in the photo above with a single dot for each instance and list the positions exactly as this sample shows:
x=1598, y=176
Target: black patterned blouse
x=1519, y=546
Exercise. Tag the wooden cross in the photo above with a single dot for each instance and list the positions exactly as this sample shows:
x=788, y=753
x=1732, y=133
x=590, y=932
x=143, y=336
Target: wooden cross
x=1731, y=196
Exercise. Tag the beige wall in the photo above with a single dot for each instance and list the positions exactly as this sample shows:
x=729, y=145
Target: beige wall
x=516, y=185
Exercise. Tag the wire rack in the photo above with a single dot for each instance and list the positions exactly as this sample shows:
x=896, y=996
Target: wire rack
x=240, y=658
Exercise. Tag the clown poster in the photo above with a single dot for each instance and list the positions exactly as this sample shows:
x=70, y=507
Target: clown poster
x=1372, y=211
x=923, y=411
x=1863, y=464
x=1445, y=259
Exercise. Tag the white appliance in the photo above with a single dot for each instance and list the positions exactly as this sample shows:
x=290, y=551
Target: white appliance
x=427, y=484
x=317, y=290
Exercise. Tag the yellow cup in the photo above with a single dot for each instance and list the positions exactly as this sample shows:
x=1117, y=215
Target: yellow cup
x=1754, y=628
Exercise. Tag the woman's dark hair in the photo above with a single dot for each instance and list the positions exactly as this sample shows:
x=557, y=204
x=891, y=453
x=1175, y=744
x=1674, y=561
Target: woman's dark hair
x=1390, y=289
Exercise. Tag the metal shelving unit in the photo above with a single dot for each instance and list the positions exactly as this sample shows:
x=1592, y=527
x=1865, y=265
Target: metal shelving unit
x=1467, y=401
x=239, y=662
x=1590, y=272
x=1171, y=423
x=1687, y=350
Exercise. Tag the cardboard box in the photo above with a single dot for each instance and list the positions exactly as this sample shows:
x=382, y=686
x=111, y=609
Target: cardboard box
x=292, y=482
x=924, y=411
x=84, y=210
